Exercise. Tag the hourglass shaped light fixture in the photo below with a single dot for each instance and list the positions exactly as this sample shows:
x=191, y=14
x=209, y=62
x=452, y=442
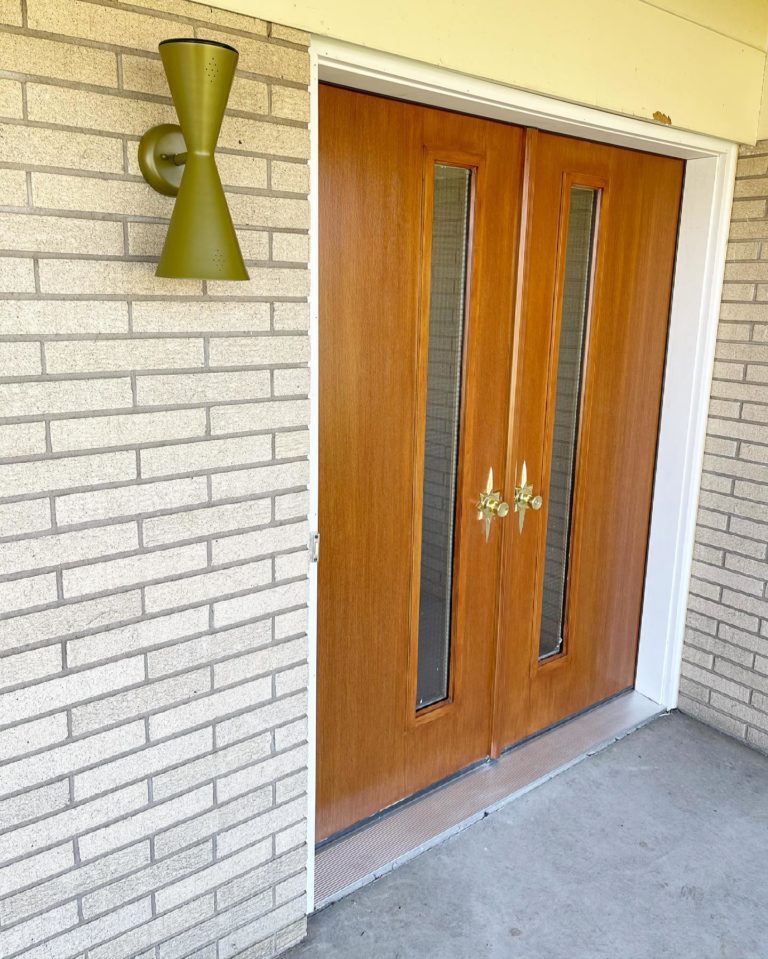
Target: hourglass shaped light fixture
x=179, y=161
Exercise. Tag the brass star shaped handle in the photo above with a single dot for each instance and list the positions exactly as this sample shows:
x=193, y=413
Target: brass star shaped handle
x=490, y=505
x=524, y=498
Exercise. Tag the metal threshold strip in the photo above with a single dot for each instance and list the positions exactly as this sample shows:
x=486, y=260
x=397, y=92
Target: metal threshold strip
x=392, y=839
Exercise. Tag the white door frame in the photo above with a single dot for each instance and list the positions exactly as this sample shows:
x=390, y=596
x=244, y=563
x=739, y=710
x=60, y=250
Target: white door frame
x=704, y=224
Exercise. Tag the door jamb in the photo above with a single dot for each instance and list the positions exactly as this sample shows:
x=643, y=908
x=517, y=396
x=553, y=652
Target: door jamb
x=697, y=287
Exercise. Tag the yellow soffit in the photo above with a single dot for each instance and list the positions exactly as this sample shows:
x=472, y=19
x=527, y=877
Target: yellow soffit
x=697, y=62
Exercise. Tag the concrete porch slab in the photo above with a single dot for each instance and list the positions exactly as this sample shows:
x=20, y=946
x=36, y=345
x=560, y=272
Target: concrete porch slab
x=655, y=847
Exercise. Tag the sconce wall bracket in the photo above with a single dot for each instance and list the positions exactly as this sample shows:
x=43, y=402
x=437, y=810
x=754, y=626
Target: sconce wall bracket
x=162, y=153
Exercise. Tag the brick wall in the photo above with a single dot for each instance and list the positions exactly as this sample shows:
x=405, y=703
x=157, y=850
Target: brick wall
x=725, y=658
x=153, y=470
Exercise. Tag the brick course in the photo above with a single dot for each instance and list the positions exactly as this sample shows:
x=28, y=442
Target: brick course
x=153, y=473
x=725, y=657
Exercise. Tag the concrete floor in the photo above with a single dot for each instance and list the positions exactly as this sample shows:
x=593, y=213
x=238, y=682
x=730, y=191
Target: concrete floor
x=656, y=847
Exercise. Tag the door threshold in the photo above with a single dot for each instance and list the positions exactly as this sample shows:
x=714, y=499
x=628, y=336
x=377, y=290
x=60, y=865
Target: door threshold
x=388, y=841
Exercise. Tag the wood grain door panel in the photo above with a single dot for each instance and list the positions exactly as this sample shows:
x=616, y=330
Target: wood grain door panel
x=377, y=159
x=639, y=200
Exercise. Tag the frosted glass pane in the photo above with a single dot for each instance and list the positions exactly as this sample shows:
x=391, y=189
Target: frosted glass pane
x=452, y=191
x=570, y=363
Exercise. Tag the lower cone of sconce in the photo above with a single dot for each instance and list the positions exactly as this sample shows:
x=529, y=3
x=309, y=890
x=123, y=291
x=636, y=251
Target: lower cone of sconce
x=201, y=242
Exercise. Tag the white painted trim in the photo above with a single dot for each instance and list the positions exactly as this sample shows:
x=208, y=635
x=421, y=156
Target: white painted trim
x=314, y=479
x=704, y=226
x=697, y=287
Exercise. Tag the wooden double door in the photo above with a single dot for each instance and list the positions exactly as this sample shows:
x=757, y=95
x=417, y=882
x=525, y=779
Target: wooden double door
x=494, y=308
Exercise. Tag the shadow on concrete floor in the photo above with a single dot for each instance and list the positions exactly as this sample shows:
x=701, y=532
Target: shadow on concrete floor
x=656, y=847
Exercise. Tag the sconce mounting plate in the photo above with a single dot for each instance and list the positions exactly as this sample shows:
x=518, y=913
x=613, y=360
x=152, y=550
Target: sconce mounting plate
x=161, y=153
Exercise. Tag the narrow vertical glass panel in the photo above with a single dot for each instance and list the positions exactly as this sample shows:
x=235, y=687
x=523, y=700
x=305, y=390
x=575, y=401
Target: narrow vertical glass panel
x=570, y=368
x=450, y=237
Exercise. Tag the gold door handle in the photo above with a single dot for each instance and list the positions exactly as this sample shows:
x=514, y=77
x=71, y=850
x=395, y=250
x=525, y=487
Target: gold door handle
x=490, y=505
x=524, y=498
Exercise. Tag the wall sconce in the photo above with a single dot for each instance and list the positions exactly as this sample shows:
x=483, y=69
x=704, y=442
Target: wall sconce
x=179, y=161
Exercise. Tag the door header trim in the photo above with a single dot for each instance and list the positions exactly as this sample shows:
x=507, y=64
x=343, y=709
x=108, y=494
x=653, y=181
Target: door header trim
x=377, y=72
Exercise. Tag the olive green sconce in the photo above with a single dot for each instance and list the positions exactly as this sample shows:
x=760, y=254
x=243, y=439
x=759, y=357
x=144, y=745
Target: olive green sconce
x=179, y=161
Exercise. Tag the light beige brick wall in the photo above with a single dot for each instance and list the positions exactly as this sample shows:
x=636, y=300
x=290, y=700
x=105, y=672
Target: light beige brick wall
x=153, y=471
x=725, y=657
